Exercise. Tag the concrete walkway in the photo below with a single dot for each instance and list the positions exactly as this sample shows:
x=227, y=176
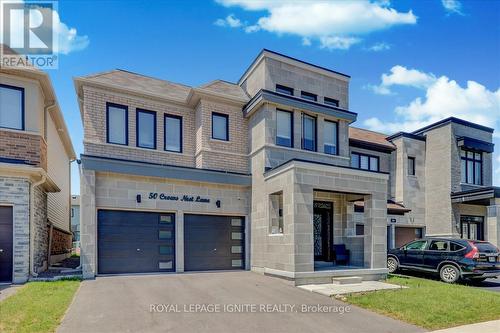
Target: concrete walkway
x=330, y=289
x=214, y=302
x=485, y=327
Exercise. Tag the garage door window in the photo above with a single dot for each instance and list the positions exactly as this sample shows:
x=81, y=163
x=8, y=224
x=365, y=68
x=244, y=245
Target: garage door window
x=236, y=249
x=165, y=265
x=237, y=263
x=164, y=234
x=236, y=235
x=166, y=250
x=166, y=218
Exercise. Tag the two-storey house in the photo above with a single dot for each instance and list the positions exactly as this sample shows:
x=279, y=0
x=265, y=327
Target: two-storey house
x=35, y=156
x=264, y=174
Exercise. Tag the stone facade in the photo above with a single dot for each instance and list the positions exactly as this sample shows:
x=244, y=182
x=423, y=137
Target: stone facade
x=41, y=236
x=16, y=192
x=302, y=176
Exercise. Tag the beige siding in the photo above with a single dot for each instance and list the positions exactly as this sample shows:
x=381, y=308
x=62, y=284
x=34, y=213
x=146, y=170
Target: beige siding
x=58, y=170
x=33, y=99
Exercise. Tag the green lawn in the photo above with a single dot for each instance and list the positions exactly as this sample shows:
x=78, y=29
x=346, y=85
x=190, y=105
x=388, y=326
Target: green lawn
x=431, y=304
x=37, y=306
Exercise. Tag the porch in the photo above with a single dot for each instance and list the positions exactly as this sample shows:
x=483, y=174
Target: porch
x=312, y=231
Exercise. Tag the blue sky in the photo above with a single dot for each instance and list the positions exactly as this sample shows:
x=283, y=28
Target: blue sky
x=411, y=62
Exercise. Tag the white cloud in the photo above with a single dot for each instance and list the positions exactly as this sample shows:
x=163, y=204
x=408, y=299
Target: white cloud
x=378, y=47
x=68, y=39
x=452, y=6
x=443, y=98
x=230, y=21
x=335, y=24
x=337, y=42
x=400, y=75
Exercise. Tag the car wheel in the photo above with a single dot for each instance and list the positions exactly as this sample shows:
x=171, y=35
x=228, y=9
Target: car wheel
x=449, y=274
x=392, y=264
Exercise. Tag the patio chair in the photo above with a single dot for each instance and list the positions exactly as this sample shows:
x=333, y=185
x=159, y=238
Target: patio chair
x=340, y=254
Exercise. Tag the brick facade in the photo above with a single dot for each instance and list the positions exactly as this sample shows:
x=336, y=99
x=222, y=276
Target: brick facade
x=23, y=146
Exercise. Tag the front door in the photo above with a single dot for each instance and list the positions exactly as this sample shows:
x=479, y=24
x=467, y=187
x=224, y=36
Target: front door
x=323, y=230
x=6, y=219
x=472, y=227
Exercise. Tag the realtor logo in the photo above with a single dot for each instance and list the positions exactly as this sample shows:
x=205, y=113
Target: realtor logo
x=27, y=29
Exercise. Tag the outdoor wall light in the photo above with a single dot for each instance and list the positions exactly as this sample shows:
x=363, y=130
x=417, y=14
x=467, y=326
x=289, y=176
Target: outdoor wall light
x=217, y=203
x=138, y=198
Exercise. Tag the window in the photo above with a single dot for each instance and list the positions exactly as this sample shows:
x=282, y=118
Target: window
x=220, y=126
x=331, y=102
x=117, y=124
x=276, y=213
x=411, y=166
x=365, y=162
x=472, y=167
x=72, y=212
x=456, y=247
x=416, y=245
x=360, y=229
x=284, y=128
x=309, y=96
x=146, y=129
x=438, y=245
x=11, y=107
x=330, y=137
x=284, y=90
x=308, y=132
x=173, y=133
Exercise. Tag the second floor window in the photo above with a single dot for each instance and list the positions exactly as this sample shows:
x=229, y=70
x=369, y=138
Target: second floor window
x=364, y=162
x=330, y=137
x=309, y=96
x=284, y=131
x=117, y=124
x=472, y=167
x=284, y=90
x=173, y=133
x=220, y=126
x=11, y=107
x=411, y=166
x=146, y=129
x=308, y=132
x=331, y=101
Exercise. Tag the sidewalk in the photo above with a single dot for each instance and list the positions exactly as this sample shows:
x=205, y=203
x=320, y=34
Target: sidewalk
x=485, y=327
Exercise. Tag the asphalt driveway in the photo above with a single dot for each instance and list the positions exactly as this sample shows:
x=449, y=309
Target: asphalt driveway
x=213, y=302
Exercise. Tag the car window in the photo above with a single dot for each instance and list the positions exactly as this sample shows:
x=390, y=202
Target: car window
x=485, y=247
x=456, y=247
x=417, y=245
x=438, y=245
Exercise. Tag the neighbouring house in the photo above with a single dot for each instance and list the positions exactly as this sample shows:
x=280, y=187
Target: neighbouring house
x=35, y=157
x=75, y=220
x=266, y=174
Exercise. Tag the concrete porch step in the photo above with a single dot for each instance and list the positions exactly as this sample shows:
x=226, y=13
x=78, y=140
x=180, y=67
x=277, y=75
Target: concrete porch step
x=347, y=280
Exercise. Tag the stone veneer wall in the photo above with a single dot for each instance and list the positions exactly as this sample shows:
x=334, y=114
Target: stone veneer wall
x=61, y=242
x=16, y=192
x=41, y=239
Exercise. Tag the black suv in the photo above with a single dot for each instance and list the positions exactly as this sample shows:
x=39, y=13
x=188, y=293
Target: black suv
x=451, y=258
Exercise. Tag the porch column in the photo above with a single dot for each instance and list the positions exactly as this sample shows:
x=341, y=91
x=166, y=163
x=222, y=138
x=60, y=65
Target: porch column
x=375, y=240
x=88, y=224
x=493, y=225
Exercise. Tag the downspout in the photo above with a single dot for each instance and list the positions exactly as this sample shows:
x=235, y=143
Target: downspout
x=46, y=109
x=32, y=224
